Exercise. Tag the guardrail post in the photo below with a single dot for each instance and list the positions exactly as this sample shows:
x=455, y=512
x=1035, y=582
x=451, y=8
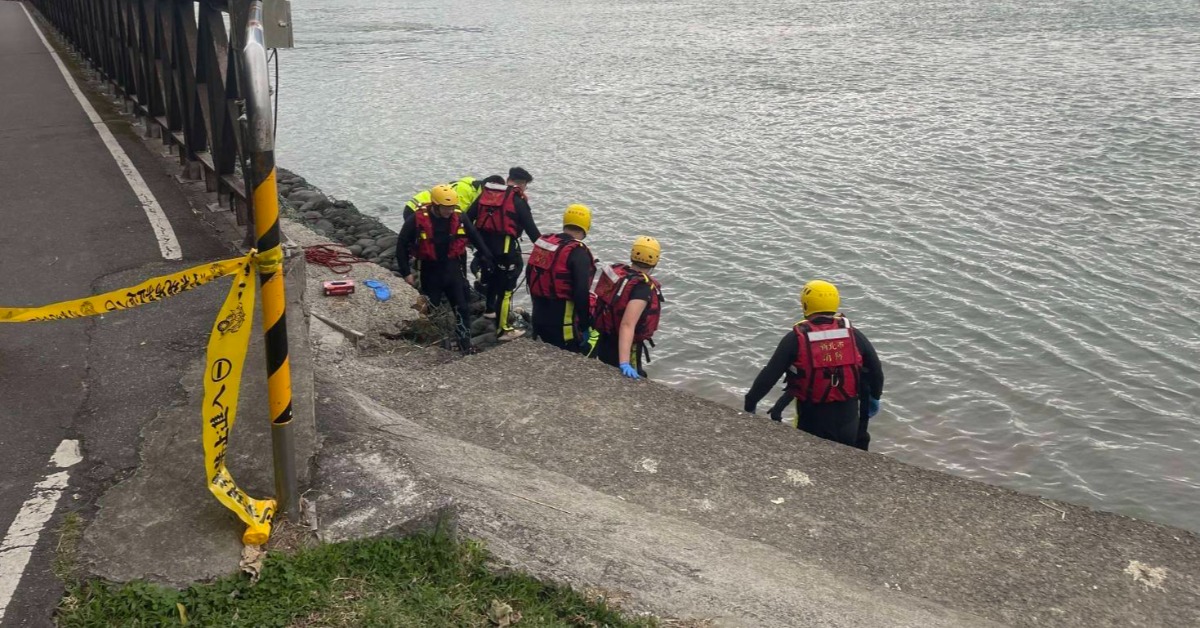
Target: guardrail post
x=266, y=223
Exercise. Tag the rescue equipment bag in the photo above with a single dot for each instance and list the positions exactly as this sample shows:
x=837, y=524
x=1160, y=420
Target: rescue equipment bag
x=496, y=211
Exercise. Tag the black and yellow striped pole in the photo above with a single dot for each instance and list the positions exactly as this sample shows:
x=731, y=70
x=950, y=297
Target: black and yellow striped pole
x=265, y=201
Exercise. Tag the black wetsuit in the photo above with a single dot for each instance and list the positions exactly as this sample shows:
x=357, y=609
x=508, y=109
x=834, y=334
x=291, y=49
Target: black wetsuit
x=551, y=323
x=442, y=278
x=863, y=441
x=839, y=421
x=506, y=255
x=608, y=345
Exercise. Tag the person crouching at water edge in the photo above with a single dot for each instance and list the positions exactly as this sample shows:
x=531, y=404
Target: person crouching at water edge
x=560, y=281
x=467, y=188
x=501, y=214
x=440, y=235
x=827, y=363
x=628, y=305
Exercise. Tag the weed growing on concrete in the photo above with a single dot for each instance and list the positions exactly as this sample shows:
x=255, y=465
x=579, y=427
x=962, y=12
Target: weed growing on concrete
x=67, y=549
x=427, y=580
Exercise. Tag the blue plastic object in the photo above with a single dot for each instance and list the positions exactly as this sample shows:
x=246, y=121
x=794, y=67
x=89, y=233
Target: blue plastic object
x=382, y=292
x=873, y=408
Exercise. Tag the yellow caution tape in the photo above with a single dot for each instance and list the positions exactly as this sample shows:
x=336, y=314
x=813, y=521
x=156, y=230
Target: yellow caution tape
x=148, y=291
x=225, y=357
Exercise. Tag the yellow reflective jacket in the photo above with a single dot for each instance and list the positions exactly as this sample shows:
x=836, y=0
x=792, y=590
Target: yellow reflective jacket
x=419, y=200
x=465, y=187
x=467, y=192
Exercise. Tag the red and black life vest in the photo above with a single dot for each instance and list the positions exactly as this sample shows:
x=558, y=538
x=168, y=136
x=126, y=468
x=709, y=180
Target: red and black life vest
x=612, y=297
x=426, y=250
x=549, y=273
x=496, y=212
x=828, y=363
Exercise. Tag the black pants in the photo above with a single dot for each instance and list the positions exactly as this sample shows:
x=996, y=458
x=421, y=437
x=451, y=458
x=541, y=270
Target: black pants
x=444, y=280
x=553, y=335
x=500, y=285
x=861, y=441
x=554, y=322
x=864, y=438
x=838, y=422
x=608, y=351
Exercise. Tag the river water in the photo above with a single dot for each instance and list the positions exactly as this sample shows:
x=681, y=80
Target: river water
x=1005, y=191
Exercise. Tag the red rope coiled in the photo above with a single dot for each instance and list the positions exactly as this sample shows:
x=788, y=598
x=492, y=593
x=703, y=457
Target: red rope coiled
x=335, y=259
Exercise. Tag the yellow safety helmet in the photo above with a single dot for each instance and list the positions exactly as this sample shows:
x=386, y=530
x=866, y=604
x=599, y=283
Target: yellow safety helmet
x=578, y=216
x=645, y=251
x=819, y=296
x=443, y=195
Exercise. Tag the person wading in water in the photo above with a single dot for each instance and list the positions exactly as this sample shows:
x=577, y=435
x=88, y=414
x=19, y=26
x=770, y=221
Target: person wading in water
x=827, y=363
x=628, y=305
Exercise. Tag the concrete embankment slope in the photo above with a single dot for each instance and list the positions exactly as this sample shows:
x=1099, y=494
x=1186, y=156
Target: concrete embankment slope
x=694, y=509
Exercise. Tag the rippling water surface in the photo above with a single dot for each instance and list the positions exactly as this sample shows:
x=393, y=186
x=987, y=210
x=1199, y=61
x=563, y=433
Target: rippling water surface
x=1006, y=192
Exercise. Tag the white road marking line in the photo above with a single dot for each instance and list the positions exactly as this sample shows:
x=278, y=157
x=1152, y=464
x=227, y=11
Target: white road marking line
x=167, y=243
x=67, y=455
x=25, y=530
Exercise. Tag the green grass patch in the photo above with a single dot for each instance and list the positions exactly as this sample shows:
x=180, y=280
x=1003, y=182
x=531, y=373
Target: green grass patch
x=427, y=580
x=65, y=564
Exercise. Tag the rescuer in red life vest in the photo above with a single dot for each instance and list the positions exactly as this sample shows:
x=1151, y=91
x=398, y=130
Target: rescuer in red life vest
x=628, y=305
x=437, y=237
x=828, y=363
x=560, y=281
x=501, y=214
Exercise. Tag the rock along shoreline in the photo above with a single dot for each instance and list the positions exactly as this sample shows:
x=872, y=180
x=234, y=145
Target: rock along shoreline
x=368, y=238
x=339, y=220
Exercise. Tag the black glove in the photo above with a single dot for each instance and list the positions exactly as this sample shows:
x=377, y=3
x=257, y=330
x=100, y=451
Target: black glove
x=776, y=412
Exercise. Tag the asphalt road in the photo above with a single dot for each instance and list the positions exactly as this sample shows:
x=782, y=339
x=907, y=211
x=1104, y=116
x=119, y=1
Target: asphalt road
x=72, y=226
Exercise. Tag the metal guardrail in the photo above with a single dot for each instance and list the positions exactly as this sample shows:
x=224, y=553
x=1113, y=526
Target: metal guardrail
x=174, y=63
x=177, y=65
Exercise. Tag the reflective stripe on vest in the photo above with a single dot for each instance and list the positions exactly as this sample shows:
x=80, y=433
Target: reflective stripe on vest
x=830, y=334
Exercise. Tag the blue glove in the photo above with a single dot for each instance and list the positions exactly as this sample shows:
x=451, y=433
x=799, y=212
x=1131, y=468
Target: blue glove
x=873, y=408
x=629, y=371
